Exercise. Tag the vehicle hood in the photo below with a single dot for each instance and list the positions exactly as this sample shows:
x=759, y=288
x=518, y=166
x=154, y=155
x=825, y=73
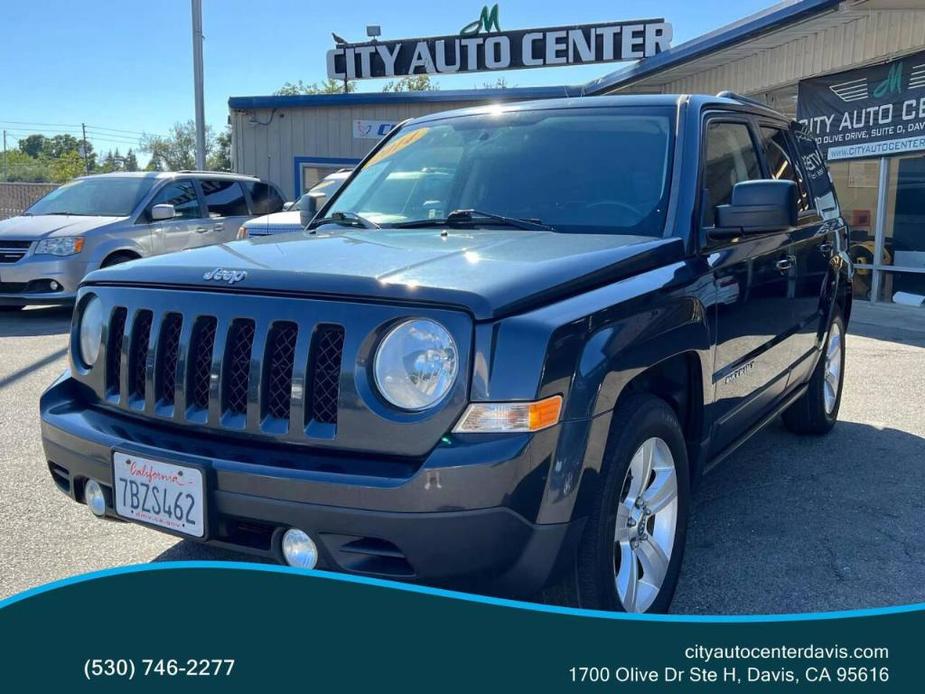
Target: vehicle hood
x=488, y=272
x=45, y=225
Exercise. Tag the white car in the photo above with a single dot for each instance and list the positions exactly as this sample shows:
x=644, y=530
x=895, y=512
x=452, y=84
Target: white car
x=290, y=219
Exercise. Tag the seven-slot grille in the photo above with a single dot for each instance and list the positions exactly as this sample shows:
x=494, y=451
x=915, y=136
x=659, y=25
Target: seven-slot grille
x=253, y=367
x=13, y=251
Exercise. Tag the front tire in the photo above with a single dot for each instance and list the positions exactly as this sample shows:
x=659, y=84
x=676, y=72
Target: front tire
x=630, y=554
x=118, y=259
x=817, y=409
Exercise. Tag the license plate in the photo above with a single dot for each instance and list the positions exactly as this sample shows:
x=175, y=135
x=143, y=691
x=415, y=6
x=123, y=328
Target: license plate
x=159, y=493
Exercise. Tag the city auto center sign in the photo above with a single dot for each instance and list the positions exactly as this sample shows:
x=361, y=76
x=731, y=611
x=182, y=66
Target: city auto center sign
x=481, y=46
x=876, y=111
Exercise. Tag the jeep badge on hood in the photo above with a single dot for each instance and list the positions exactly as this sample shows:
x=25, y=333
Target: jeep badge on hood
x=229, y=276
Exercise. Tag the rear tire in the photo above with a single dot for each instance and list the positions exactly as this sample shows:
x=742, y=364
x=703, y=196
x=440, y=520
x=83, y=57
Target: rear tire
x=817, y=409
x=629, y=558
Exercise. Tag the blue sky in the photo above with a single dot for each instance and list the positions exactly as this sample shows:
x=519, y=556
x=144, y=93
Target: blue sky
x=125, y=67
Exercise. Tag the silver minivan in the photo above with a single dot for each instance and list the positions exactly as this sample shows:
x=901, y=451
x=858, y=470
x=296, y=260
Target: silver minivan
x=97, y=221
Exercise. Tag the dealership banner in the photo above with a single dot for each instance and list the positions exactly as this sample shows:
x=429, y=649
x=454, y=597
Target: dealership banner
x=876, y=111
x=482, y=46
x=229, y=627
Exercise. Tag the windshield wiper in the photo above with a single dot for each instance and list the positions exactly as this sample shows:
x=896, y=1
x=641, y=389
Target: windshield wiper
x=473, y=217
x=346, y=218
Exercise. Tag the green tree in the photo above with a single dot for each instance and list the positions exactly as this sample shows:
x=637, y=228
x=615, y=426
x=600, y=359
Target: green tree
x=412, y=83
x=499, y=83
x=131, y=161
x=33, y=145
x=69, y=165
x=219, y=158
x=176, y=150
x=329, y=86
x=22, y=167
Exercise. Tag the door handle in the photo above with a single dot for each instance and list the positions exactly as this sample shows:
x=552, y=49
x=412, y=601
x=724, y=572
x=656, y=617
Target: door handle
x=784, y=264
x=219, y=226
x=201, y=230
x=825, y=248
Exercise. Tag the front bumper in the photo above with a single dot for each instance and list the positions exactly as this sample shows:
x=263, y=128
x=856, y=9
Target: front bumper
x=27, y=281
x=462, y=517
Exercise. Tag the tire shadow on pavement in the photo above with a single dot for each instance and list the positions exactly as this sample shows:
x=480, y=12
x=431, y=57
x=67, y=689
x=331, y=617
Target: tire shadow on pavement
x=809, y=524
x=35, y=322
x=790, y=524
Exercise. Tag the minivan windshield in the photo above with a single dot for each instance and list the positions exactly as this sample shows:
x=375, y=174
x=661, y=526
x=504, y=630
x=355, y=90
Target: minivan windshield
x=578, y=170
x=108, y=196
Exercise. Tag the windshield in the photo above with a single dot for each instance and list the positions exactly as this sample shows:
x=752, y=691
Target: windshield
x=588, y=170
x=107, y=197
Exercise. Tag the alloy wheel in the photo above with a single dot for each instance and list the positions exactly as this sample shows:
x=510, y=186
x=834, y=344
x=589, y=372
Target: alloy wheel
x=832, y=376
x=647, y=518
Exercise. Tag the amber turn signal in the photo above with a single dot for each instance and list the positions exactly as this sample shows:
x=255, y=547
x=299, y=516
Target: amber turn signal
x=503, y=417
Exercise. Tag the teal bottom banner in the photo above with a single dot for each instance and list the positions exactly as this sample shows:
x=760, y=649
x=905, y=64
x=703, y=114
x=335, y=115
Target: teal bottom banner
x=241, y=627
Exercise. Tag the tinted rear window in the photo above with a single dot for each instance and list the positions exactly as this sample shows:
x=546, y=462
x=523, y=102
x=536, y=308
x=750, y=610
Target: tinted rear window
x=224, y=198
x=264, y=197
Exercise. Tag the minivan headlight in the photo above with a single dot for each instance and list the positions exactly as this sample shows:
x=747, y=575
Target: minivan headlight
x=416, y=364
x=90, y=331
x=61, y=245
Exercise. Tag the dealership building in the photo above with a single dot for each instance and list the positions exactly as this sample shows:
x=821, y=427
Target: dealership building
x=852, y=70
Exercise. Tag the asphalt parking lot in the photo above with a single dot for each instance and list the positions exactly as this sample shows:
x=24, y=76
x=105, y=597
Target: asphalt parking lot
x=787, y=524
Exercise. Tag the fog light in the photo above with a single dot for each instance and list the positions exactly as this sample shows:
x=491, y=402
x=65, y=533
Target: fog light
x=299, y=549
x=93, y=496
x=54, y=286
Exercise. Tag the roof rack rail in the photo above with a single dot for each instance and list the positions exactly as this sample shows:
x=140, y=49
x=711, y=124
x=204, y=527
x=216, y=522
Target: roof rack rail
x=726, y=94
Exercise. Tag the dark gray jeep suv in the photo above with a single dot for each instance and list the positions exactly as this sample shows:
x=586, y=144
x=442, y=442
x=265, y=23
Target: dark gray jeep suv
x=499, y=358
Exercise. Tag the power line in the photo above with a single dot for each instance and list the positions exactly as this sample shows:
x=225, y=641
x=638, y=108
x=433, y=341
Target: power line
x=116, y=130
x=52, y=125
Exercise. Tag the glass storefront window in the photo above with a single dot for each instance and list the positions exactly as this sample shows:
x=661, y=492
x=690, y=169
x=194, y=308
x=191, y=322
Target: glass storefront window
x=856, y=183
x=904, y=227
x=906, y=288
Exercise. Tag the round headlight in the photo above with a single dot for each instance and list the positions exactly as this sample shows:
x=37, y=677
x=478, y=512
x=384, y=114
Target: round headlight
x=416, y=364
x=91, y=331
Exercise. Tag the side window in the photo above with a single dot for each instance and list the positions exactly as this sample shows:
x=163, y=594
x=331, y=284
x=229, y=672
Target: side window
x=729, y=158
x=182, y=195
x=820, y=183
x=224, y=198
x=780, y=162
x=264, y=198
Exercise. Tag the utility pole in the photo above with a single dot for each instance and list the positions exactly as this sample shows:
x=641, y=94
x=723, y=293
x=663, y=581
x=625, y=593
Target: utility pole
x=197, y=86
x=83, y=127
x=6, y=167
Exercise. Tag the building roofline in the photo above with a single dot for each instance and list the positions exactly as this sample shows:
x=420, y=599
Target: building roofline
x=362, y=98
x=773, y=18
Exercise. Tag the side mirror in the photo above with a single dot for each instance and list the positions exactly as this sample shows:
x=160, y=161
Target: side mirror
x=162, y=212
x=308, y=205
x=757, y=207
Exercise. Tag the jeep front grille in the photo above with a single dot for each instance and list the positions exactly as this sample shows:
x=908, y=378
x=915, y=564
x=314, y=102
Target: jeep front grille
x=138, y=356
x=327, y=348
x=234, y=374
x=201, y=362
x=281, y=349
x=237, y=366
